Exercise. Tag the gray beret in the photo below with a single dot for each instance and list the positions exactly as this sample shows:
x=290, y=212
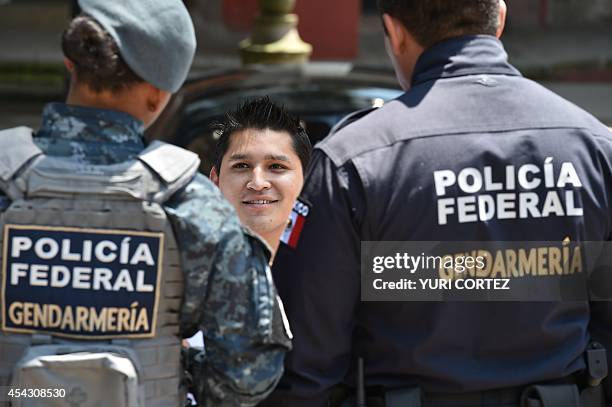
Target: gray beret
x=155, y=37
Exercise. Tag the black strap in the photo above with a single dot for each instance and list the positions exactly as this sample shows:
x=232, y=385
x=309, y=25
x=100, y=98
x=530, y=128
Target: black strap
x=592, y=397
x=506, y=397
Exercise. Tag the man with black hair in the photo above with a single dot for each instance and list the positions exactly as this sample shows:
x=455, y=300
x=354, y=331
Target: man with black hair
x=467, y=153
x=260, y=160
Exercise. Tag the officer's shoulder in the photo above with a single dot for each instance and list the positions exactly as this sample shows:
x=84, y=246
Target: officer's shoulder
x=604, y=138
x=351, y=118
x=357, y=133
x=201, y=200
x=568, y=113
x=201, y=216
x=201, y=187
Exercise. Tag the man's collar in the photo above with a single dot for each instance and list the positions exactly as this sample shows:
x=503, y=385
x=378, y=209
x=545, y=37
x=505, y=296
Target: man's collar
x=461, y=56
x=90, y=136
x=79, y=123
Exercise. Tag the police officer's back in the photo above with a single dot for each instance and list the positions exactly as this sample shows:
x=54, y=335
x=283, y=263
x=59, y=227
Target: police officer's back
x=471, y=152
x=113, y=251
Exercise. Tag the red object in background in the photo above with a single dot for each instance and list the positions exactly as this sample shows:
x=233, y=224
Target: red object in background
x=543, y=13
x=330, y=26
x=239, y=15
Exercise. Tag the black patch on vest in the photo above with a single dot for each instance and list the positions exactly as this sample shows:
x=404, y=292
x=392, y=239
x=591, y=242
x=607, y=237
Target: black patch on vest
x=81, y=283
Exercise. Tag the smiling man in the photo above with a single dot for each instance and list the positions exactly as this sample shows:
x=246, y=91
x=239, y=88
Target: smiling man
x=259, y=167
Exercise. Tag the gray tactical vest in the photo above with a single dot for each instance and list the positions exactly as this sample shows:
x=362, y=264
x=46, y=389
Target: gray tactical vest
x=78, y=311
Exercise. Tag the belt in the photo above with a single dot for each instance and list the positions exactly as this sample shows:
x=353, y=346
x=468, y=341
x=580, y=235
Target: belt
x=561, y=393
x=507, y=397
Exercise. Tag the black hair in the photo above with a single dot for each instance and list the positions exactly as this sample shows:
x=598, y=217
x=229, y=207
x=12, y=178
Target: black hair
x=262, y=113
x=96, y=57
x=431, y=21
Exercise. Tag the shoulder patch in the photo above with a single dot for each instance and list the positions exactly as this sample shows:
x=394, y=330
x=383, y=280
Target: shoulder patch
x=298, y=216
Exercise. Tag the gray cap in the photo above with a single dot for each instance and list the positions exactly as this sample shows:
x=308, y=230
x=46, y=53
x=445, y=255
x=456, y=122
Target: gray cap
x=155, y=37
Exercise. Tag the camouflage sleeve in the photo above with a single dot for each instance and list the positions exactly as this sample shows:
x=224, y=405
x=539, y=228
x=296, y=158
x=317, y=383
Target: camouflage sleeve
x=230, y=296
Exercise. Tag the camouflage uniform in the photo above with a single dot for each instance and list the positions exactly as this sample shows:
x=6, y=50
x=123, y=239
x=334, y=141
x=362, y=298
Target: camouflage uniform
x=229, y=293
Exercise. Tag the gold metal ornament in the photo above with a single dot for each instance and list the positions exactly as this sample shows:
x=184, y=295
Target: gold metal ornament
x=275, y=38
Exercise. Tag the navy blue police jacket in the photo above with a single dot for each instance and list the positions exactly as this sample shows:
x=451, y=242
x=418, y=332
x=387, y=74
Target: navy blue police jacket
x=373, y=180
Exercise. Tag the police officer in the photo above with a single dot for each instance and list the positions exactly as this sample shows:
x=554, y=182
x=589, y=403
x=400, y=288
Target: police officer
x=467, y=123
x=114, y=250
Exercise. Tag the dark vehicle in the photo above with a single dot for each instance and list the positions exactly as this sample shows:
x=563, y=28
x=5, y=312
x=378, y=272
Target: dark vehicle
x=319, y=93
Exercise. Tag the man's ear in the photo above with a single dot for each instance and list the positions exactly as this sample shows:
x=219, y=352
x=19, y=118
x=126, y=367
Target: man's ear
x=214, y=177
x=396, y=33
x=503, y=12
x=69, y=65
x=153, y=98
